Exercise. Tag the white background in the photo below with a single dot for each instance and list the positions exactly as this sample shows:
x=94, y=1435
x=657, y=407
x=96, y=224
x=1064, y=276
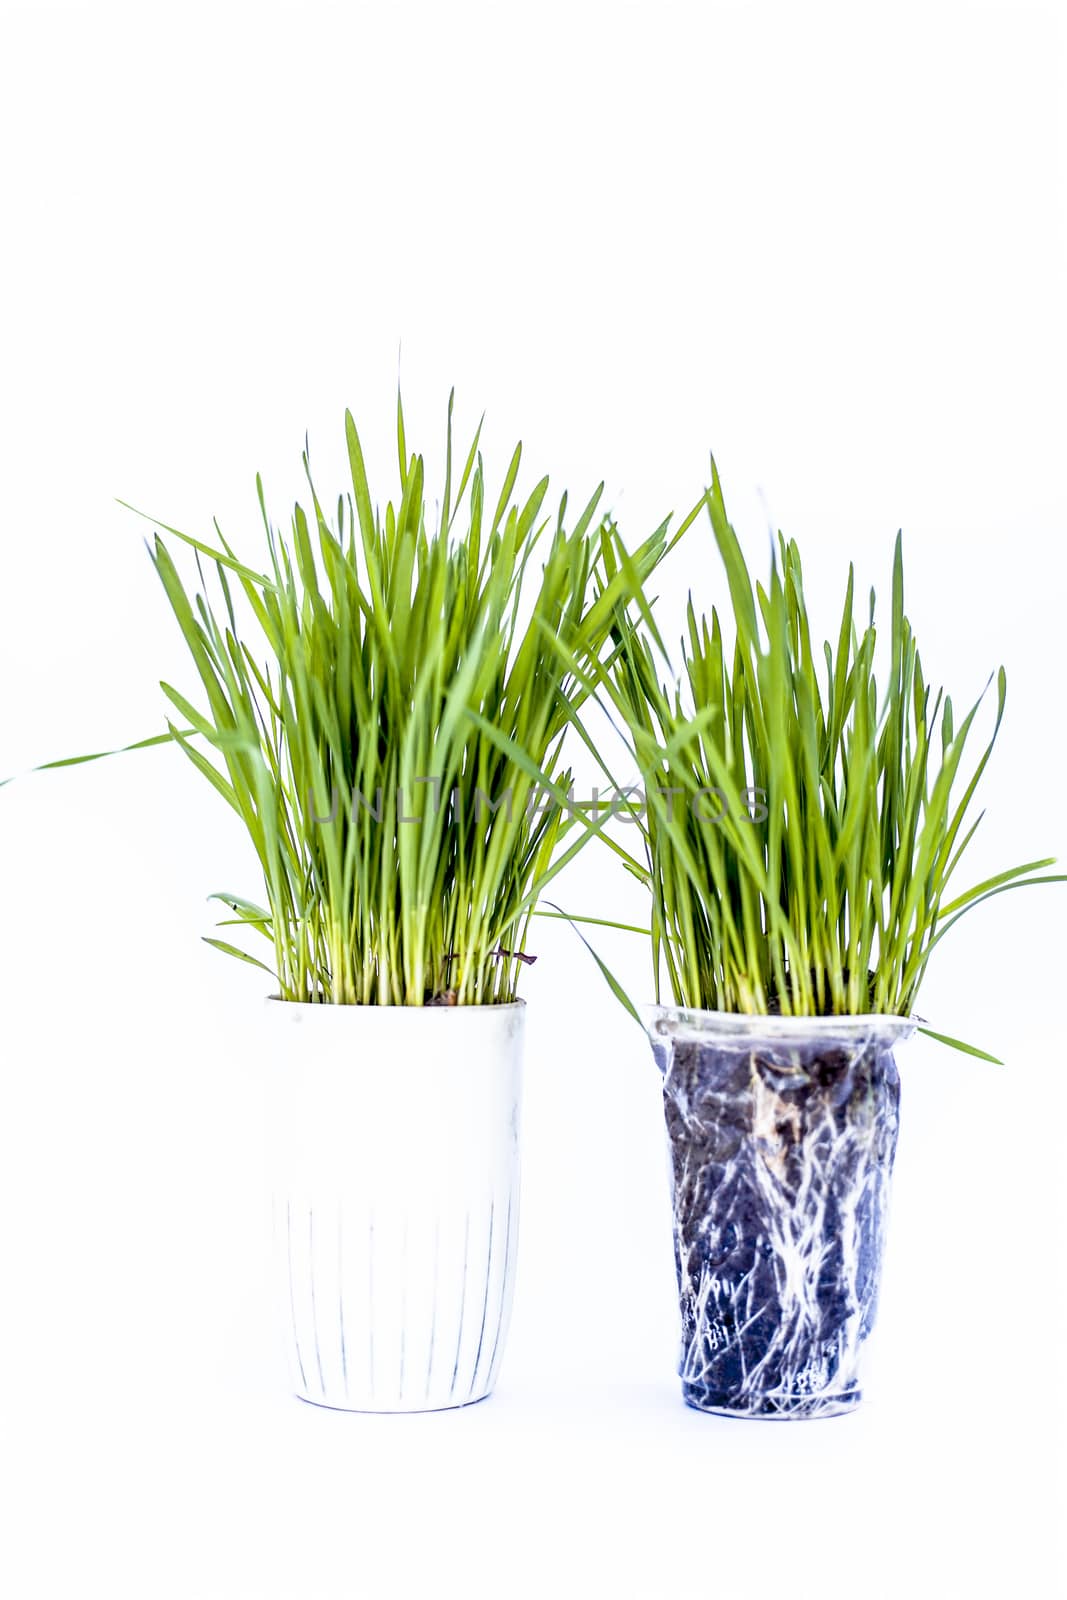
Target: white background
x=827, y=243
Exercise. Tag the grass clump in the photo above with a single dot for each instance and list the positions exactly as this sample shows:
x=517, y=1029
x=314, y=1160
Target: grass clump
x=806, y=818
x=387, y=721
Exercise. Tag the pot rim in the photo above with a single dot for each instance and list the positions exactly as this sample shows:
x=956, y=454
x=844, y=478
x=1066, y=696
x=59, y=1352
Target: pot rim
x=689, y=1021
x=322, y=1007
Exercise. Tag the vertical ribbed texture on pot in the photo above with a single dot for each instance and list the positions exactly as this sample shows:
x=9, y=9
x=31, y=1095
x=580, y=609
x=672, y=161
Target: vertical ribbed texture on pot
x=782, y=1134
x=396, y=1200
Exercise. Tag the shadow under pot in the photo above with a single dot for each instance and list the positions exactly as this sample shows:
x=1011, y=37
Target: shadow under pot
x=781, y=1133
x=395, y=1155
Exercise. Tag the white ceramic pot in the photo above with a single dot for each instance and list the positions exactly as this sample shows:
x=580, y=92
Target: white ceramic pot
x=396, y=1199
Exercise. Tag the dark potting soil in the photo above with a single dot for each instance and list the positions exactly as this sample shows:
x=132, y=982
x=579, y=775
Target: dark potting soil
x=781, y=1158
